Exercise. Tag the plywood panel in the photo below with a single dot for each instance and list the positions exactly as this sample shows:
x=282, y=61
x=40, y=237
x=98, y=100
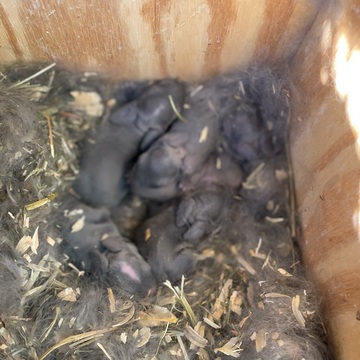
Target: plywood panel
x=153, y=38
x=325, y=147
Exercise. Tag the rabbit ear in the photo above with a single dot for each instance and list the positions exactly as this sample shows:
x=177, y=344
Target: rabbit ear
x=99, y=262
x=150, y=136
x=114, y=243
x=175, y=139
x=126, y=115
x=185, y=212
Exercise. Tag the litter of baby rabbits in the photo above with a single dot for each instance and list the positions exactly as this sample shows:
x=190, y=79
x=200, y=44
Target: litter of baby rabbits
x=110, y=192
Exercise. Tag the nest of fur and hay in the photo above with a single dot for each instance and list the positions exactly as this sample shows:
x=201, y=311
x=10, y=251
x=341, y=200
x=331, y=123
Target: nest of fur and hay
x=240, y=304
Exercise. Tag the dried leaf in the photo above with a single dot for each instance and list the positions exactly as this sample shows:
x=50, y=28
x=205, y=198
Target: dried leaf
x=231, y=348
x=78, y=225
x=157, y=316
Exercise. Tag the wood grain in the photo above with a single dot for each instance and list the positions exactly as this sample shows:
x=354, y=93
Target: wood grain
x=325, y=134
x=153, y=38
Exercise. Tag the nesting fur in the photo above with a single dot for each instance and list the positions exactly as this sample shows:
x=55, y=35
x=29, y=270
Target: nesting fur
x=244, y=301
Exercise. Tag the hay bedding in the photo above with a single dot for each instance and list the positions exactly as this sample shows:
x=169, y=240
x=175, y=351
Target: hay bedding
x=249, y=298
